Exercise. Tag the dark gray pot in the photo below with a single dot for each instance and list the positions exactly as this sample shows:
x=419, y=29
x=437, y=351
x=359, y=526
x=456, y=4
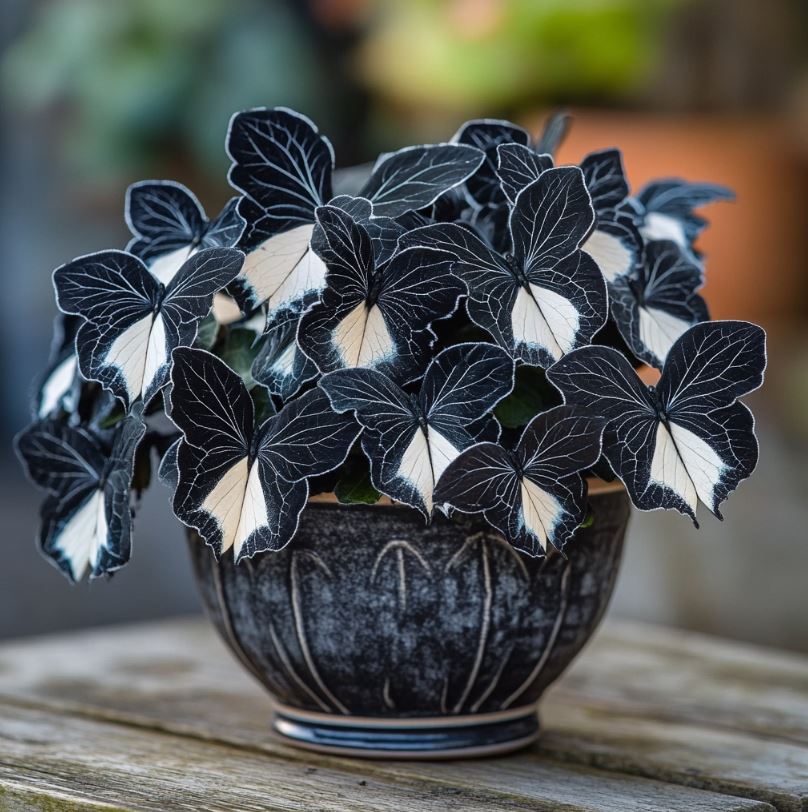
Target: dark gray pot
x=379, y=635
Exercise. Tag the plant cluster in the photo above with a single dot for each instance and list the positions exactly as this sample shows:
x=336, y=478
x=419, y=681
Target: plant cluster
x=457, y=332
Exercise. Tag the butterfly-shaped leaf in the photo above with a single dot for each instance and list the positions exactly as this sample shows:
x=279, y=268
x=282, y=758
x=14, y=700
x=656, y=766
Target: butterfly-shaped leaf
x=384, y=232
x=242, y=485
x=605, y=179
x=280, y=365
x=666, y=209
x=484, y=200
x=534, y=495
x=169, y=224
x=687, y=440
x=133, y=321
x=517, y=167
x=487, y=185
x=614, y=244
x=415, y=177
x=545, y=296
x=408, y=439
x=369, y=316
x=487, y=135
x=58, y=388
x=283, y=166
x=655, y=305
x=86, y=518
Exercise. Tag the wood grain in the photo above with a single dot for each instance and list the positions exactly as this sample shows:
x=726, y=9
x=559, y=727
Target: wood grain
x=644, y=718
x=77, y=762
x=694, y=677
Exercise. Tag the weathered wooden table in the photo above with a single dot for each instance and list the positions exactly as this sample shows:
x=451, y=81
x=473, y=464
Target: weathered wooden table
x=159, y=717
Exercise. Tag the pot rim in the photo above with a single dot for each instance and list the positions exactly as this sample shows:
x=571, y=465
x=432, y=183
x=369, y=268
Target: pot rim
x=595, y=486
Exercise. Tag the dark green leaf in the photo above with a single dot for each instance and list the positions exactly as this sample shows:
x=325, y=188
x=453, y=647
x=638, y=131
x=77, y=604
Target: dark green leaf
x=112, y=418
x=531, y=394
x=354, y=486
x=208, y=332
x=264, y=406
x=238, y=351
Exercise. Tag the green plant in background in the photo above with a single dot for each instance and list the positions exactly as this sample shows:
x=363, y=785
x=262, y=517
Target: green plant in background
x=500, y=54
x=137, y=85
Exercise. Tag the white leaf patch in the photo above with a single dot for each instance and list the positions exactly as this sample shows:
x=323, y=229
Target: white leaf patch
x=659, y=226
x=128, y=355
x=685, y=464
x=659, y=330
x=155, y=352
x=283, y=268
x=609, y=253
x=84, y=534
x=138, y=353
x=224, y=309
x=286, y=360
x=542, y=318
x=165, y=266
x=362, y=337
x=237, y=504
x=424, y=461
x=57, y=385
x=540, y=511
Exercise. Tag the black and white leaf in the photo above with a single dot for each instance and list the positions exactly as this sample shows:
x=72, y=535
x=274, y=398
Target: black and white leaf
x=168, y=225
x=86, y=519
x=242, y=485
x=615, y=243
x=545, y=297
x=384, y=232
x=58, y=388
x=410, y=439
x=687, y=440
x=534, y=495
x=167, y=473
x=415, y=177
x=487, y=135
x=282, y=165
x=132, y=322
x=280, y=365
x=666, y=209
x=517, y=167
x=605, y=179
x=512, y=162
x=516, y=163
x=655, y=306
x=374, y=317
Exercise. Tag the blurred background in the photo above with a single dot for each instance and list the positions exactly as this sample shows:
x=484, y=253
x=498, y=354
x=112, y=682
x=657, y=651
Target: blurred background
x=99, y=93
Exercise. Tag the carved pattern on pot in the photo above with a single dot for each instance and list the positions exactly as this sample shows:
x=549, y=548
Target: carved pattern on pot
x=370, y=612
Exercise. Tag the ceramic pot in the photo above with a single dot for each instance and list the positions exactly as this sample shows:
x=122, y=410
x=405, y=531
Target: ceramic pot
x=379, y=635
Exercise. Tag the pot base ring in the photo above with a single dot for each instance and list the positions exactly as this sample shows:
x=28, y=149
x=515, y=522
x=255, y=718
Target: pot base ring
x=477, y=735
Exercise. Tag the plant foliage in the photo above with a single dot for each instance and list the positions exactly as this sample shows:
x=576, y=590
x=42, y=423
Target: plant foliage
x=460, y=336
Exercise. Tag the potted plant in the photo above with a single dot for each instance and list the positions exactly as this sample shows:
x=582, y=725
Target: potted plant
x=405, y=419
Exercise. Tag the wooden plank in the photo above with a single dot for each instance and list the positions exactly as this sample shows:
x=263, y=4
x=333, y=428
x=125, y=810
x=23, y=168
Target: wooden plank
x=177, y=677
x=78, y=763
x=689, y=754
x=687, y=676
